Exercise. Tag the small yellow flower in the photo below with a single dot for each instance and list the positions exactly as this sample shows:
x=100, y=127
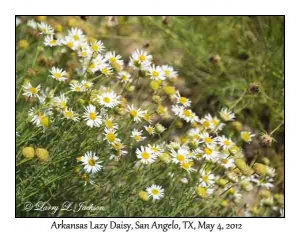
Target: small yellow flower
x=143, y=195
x=42, y=154
x=23, y=44
x=28, y=152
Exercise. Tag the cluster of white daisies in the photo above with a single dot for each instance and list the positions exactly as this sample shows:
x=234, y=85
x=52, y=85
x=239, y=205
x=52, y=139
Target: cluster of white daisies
x=203, y=150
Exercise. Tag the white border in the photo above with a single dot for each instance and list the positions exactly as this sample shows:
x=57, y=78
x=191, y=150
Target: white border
x=130, y=7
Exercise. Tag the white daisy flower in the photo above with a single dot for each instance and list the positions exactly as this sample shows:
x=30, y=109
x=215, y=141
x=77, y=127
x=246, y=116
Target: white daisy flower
x=91, y=116
x=206, y=178
x=180, y=155
x=86, y=85
x=156, y=73
x=156, y=149
x=109, y=123
x=31, y=91
x=106, y=69
x=207, y=139
x=145, y=155
x=225, y=161
x=224, y=142
x=89, y=160
x=40, y=118
x=61, y=101
x=226, y=114
x=50, y=41
x=70, y=42
x=155, y=191
x=77, y=87
x=198, y=154
x=45, y=29
x=85, y=52
x=114, y=60
x=140, y=60
x=265, y=182
x=150, y=129
x=58, y=74
x=169, y=72
x=111, y=136
x=124, y=76
x=137, y=135
x=32, y=23
x=247, y=136
x=187, y=165
x=69, y=114
x=77, y=35
x=209, y=153
x=182, y=100
x=109, y=99
x=135, y=113
x=97, y=46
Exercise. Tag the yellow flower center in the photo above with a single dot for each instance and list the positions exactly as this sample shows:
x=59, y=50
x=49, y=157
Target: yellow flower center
x=95, y=47
x=68, y=114
x=225, y=161
x=142, y=57
x=44, y=121
x=137, y=137
x=205, y=178
x=83, y=53
x=112, y=59
x=167, y=73
x=185, y=165
x=52, y=42
x=92, y=66
x=33, y=90
x=207, y=151
x=70, y=44
x=76, y=37
x=155, y=74
x=147, y=117
x=145, y=155
x=108, y=124
x=182, y=100
x=104, y=70
x=205, y=123
x=187, y=113
x=91, y=162
x=106, y=100
x=110, y=137
x=57, y=75
x=155, y=191
x=245, y=136
x=180, y=157
x=133, y=113
x=92, y=116
x=226, y=142
x=208, y=140
x=78, y=89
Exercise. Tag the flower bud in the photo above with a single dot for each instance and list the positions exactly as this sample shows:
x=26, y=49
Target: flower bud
x=178, y=124
x=156, y=99
x=247, y=186
x=253, y=88
x=237, y=125
x=143, y=195
x=192, y=145
x=224, y=203
x=42, y=154
x=28, y=152
x=265, y=193
x=23, y=44
x=215, y=59
x=160, y=128
x=232, y=177
x=243, y=167
x=184, y=180
x=165, y=157
x=260, y=169
x=266, y=140
x=169, y=90
x=154, y=85
x=58, y=28
x=221, y=182
x=201, y=191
